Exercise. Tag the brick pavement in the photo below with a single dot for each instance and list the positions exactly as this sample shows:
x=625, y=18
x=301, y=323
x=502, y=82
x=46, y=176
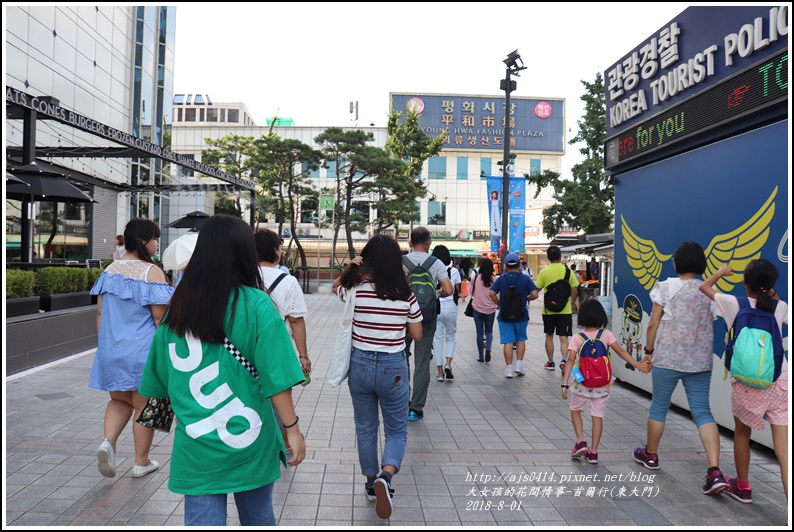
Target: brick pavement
x=517, y=431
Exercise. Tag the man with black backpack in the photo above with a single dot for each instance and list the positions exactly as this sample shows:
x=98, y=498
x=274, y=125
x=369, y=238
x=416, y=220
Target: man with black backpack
x=511, y=292
x=560, y=287
x=424, y=272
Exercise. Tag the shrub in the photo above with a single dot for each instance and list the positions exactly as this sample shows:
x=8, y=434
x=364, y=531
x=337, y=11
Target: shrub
x=19, y=283
x=106, y=262
x=60, y=280
x=92, y=274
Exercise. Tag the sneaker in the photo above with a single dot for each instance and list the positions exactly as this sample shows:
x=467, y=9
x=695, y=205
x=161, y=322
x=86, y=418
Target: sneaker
x=591, y=457
x=744, y=496
x=143, y=470
x=520, y=368
x=370, y=491
x=549, y=365
x=448, y=372
x=487, y=355
x=106, y=459
x=641, y=456
x=562, y=366
x=414, y=416
x=440, y=377
x=509, y=372
x=715, y=483
x=480, y=360
x=580, y=449
x=383, y=504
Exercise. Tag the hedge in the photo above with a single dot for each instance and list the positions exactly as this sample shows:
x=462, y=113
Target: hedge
x=19, y=283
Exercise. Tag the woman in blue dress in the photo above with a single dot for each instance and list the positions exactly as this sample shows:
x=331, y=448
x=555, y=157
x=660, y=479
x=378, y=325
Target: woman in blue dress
x=133, y=295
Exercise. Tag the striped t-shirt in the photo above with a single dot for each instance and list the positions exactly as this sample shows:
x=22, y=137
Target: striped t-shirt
x=379, y=324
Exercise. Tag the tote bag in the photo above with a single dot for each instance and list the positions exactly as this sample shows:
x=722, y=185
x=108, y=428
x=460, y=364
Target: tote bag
x=343, y=346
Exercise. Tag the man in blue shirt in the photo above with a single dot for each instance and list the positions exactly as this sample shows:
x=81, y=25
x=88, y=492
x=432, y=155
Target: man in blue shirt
x=513, y=331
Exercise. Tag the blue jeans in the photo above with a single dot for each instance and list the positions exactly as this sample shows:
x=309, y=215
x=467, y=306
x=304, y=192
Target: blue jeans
x=255, y=508
x=696, y=386
x=379, y=379
x=484, y=325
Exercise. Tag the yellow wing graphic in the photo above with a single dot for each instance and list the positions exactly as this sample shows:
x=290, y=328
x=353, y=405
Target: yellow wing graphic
x=643, y=257
x=740, y=246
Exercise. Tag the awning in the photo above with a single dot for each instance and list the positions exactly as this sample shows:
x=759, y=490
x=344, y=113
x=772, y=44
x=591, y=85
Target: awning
x=579, y=247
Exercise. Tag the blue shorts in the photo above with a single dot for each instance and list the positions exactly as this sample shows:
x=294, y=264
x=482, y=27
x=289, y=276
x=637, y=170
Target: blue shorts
x=511, y=332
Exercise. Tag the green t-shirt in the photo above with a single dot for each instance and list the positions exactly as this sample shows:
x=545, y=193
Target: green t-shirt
x=554, y=272
x=226, y=438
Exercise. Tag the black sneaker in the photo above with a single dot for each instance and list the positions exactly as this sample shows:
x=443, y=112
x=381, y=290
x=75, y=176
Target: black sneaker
x=448, y=372
x=383, y=496
x=487, y=355
x=370, y=490
x=549, y=365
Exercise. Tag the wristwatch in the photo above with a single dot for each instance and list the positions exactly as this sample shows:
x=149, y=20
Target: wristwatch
x=564, y=386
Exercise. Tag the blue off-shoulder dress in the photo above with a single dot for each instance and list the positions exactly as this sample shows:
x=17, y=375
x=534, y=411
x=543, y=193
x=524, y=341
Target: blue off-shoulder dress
x=126, y=326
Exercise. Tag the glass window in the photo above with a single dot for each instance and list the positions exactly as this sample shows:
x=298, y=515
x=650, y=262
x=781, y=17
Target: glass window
x=315, y=172
x=189, y=98
x=234, y=115
x=178, y=114
x=190, y=115
x=179, y=99
x=223, y=115
x=201, y=115
x=534, y=167
x=485, y=166
x=436, y=213
x=212, y=114
x=463, y=168
x=199, y=100
x=437, y=168
x=183, y=170
x=331, y=169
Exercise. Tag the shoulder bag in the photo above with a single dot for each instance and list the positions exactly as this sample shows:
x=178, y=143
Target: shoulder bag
x=343, y=346
x=469, y=309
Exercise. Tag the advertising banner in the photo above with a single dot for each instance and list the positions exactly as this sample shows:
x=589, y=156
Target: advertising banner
x=517, y=206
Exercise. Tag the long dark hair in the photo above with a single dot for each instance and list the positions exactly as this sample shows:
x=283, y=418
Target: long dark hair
x=383, y=266
x=224, y=261
x=486, y=271
x=759, y=277
x=139, y=232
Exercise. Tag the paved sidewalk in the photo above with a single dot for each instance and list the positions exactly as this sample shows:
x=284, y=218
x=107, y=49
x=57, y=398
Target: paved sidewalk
x=511, y=437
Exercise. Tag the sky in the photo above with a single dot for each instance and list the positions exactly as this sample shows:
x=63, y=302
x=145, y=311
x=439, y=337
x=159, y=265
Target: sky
x=308, y=61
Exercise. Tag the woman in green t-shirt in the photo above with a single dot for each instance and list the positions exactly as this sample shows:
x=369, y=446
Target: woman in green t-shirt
x=227, y=439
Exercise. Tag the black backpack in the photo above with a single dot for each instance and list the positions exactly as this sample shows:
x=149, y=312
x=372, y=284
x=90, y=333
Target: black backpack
x=455, y=294
x=556, y=295
x=512, y=306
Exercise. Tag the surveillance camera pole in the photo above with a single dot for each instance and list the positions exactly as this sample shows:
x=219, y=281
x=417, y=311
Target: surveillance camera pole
x=508, y=86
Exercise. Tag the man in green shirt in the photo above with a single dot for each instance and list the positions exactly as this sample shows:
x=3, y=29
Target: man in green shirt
x=561, y=321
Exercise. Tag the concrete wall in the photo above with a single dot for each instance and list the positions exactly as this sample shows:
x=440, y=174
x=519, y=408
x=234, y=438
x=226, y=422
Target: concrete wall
x=38, y=339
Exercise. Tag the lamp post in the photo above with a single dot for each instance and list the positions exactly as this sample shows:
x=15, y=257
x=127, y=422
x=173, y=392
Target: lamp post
x=514, y=66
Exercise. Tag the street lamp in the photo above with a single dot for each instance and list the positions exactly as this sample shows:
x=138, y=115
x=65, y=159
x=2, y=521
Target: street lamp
x=514, y=66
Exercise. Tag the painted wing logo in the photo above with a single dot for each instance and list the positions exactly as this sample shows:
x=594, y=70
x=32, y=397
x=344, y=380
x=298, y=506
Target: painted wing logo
x=736, y=248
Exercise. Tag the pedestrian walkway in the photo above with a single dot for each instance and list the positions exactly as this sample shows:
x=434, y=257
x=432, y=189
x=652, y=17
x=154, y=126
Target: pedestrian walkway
x=489, y=451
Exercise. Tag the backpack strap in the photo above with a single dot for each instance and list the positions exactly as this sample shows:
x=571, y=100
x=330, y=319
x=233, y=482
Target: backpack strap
x=743, y=302
x=567, y=273
x=429, y=262
x=599, y=334
x=275, y=283
x=408, y=264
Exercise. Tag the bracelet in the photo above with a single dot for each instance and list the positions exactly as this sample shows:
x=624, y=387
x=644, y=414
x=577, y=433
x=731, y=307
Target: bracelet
x=648, y=351
x=564, y=386
x=306, y=357
x=290, y=426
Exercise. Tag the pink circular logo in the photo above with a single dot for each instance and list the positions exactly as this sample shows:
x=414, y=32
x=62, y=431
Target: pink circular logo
x=543, y=110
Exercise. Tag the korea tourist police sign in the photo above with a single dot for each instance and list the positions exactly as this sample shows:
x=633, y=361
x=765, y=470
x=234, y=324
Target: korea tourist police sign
x=56, y=112
x=478, y=122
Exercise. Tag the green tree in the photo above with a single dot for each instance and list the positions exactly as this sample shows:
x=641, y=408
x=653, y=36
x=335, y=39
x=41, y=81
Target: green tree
x=398, y=190
x=586, y=202
x=230, y=154
x=356, y=163
x=228, y=204
x=284, y=165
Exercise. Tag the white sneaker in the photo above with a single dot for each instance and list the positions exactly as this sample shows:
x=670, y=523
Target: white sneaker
x=141, y=470
x=106, y=459
x=509, y=372
x=520, y=368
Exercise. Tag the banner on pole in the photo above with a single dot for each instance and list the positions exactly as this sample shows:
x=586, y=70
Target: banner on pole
x=516, y=214
x=326, y=202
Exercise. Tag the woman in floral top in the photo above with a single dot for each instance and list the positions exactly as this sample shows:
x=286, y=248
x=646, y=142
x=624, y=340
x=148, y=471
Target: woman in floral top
x=684, y=352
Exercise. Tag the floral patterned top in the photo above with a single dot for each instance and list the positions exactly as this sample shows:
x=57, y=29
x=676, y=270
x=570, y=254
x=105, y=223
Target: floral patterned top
x=685, y=338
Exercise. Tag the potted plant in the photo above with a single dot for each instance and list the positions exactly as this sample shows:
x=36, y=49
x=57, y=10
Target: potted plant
x=62, y=288
x=19, y=293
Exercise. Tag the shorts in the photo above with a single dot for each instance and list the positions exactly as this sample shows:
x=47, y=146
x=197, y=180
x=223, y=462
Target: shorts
x=750, y=404
x=562, y=323
x=598, y=405
x=511, y=332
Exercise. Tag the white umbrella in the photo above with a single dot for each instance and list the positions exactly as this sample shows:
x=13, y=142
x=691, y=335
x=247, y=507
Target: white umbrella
x=178, y=253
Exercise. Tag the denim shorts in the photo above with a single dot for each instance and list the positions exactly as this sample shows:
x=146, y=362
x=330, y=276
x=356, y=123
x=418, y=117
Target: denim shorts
x=511, y=332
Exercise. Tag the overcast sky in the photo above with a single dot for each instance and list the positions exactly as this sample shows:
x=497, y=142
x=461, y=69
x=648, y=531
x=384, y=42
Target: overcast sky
x=308, y=61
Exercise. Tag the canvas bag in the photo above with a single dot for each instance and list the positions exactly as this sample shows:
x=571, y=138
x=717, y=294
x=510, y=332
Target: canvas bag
x=469, y=308
x=343, y=345
x=421, y=282
x=556, y=295
x=513, y=308
x=593, y=361
x=754, y=353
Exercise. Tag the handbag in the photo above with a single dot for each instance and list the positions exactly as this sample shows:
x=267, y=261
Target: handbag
x=157, y=414
x=343, y=345
x=469, y=309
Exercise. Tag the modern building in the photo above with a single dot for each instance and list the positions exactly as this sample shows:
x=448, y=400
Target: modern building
x=84, y=71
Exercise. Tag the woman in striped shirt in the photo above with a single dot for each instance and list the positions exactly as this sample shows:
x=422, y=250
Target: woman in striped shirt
x=385, y=307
